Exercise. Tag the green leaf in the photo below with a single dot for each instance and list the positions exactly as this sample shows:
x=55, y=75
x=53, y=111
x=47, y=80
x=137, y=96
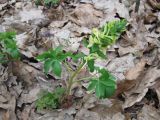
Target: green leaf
x=59, y=91
x=94, y=48
x=92, y=84
x=8, y=46
x=90, y=64
x=104, y=86
x=100, y=90
x=85, y=42
x=77, y=56
x=57, y=68
x=63, y=56
x=101, y=54
x=101, y=39
x=44, y=56
x=48, y=65
x=53, y=58
x=58, y=49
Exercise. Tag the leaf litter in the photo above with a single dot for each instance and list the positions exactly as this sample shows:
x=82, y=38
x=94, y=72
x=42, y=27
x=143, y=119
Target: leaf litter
x=135, y=60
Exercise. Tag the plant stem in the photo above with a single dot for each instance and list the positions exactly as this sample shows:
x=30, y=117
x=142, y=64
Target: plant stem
x=71, y=80
x=79, y=80
x=68, y=68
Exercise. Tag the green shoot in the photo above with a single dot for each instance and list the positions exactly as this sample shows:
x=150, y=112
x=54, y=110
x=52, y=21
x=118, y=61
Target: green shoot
x=104, y=84
x=8, y=48
x=47, y=3
x=50, y=100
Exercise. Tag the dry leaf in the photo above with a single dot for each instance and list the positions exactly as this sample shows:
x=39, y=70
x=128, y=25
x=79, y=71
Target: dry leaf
x=141, y=88
x=134, y=72
x=86, y=15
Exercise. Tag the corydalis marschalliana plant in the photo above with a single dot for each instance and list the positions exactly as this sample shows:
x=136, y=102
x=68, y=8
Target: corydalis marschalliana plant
x=8, y=48
x=104, y=83
x=47, y=3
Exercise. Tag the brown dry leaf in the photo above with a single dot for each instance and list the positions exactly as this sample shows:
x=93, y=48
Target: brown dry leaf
x=109, y=110
x=154, y=3
x=130, y=78
x=139, y=91
x=86, y=15
x=148, y=113
x=158, y=92
x=157, y=88
x=3, y=73
x=3, y=1
x=85, y=114
x=112, y=6
x=10, y=107
x=150, y=18
x=120, y=65
x=31, y=96
x=24, y=72
x=26, y=112
x=55, y=14
x=134, y=72
x=134, y=41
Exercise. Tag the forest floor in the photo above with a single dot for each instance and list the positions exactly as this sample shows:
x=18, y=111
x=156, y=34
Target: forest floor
x=134, y=60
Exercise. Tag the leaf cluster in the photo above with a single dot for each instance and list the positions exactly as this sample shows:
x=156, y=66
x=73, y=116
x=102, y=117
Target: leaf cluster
x=104, y=86
x=53, y=59
x=50, y=100
x=8, y=48
x=102, y=38
x=47, y=3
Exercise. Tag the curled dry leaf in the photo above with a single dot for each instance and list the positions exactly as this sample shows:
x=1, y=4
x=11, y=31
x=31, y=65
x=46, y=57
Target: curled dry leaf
x=31, y=14
x=24, y=72
x=120, y=65
x=113, y=109
x=148, y=113
x=143, y=83
x=86, y=15
x=134, y=72
x=154, y=3
x=111, y=7
x=85, y=114
x=3, y=1
x=131, y=76
x=31, y=96
x=3, y=73
x=150, y=18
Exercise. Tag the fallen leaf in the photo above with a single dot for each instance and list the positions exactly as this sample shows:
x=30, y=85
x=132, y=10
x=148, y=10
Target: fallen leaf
x=85, y=114
x=133, y=73
x=86, y=15
x=148, y=113
x=141, y=88
x=120, y=65
x=31, y=14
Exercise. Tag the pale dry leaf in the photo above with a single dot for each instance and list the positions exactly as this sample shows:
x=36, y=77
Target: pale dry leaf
x=85, y=15
x=31, y=96
x=148, y=113
x=120, y=65
x=112, y=6
x=148, y=80
x=24, y=72
x=31, y=14
x=85, y=114
x=113, y=108
x=133, y=73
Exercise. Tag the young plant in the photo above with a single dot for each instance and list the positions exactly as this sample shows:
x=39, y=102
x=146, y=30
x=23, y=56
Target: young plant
x=50, y=100
x=47, y=3
x=104, y=83
x=8, y=48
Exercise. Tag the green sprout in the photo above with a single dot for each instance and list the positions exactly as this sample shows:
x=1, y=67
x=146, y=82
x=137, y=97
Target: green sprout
x=104, y=83
x=8, y=48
